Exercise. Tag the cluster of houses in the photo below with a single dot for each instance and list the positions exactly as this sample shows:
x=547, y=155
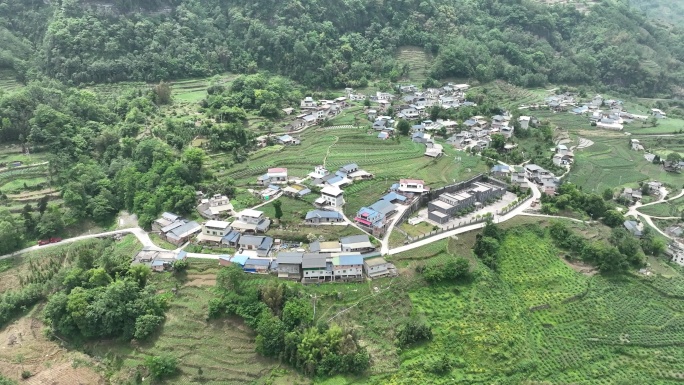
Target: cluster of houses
x=314, y=112
x=451, y=203
x=176, y=230
x=349, y=259
x=376, y=218
x=519, y=176
x=479, y=130
x=158, y=260
x=635, y=194
x=343, y=177
x=415, y=103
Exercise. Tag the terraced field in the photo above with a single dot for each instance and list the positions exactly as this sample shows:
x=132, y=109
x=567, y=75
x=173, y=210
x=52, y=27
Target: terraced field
x=8, y=81
x=388, y=160
x=418, y=60
x=536, y=321
x=209, y=352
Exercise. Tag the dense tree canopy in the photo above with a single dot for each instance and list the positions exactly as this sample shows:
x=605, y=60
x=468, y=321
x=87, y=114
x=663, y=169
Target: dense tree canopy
x=334, y=43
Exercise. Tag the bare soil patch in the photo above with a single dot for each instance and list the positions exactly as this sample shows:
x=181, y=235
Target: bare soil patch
x=23, y=347
x=201, y=280
x=580, y=267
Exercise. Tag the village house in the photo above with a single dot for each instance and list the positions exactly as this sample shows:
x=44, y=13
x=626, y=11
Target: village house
x=393, y=197
x=323, y=216
x=356, y=244
x=273, y=176
x=410, y=186
x=308, y=103
x=250, y=220
x=288, y=140
x=213, y=232
x=349, y=168
x=261, y=244
x=231, y=238
x=347, y=267
x=659, y=114
x=524, y=122
x=165, y=220
x=634, y=228
x=158, y=260
x=636, y=145
x=319, y=172
x=383, y=135
x=331, y=196
x=372, y=114
x=383, y=96
x=296, y=124
x=289, y=265
x=256, y=266
x=501, y=171
x=375, y=218
x=633, y=195
x=325, y=247
x=180, y=232
x=338, y=180
x=561, y=160
x=376, y=267
x=433, y=149
x=216, y=207
x=675, y=251
x=296, y=191
x=316, y=268
x=518, y=180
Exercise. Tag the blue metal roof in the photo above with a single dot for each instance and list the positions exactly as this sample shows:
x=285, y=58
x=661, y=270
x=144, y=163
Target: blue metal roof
x=351, y=260
x=239, y=259
x=257, y=262
x=181, y=254
x=393, y=197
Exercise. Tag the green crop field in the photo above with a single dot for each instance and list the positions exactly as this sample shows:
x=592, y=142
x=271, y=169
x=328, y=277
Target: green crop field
x=536, y=321
x=610, y=163
x=671, y=208
x=418, y=60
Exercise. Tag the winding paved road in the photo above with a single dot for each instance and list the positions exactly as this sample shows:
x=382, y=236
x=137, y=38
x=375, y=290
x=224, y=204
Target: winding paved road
x=142, y=236
x=634, y=210
x=536, y=194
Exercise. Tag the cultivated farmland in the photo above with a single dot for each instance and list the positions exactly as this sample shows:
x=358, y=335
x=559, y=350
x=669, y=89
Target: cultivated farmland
x=538, y=321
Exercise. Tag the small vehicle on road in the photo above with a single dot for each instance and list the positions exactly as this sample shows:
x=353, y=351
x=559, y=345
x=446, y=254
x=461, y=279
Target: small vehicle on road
x=43, y=242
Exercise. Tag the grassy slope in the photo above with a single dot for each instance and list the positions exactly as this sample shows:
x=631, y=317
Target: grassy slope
x=623, y=329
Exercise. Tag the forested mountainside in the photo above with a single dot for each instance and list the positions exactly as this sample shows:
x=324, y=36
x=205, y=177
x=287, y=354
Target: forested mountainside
x=671, y=11
x=341, y=42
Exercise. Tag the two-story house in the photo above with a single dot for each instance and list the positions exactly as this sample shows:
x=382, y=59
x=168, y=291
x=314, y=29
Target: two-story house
x=347, y=267
x=331, y=196
x=316, y=268
x=213, y=232
x=276, y=175
x=289, y=265
x=250, y=220
x=215, y=207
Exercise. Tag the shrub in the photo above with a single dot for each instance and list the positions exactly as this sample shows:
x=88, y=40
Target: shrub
x=413, y=331
x=26, y=374
x=161, y=366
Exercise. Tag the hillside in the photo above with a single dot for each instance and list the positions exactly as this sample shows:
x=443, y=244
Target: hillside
x=343, y=43
x=671, y=11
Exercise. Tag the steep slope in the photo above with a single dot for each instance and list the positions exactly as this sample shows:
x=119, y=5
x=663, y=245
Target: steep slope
x=348, y=42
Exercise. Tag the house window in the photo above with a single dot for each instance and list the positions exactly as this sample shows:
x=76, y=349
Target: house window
x=344, y=271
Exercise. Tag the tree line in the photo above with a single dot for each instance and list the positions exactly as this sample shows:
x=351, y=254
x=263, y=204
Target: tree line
x=328, y=43
x=282, y=316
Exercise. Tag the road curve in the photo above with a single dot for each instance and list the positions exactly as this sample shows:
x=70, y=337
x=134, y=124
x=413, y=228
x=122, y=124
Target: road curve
x=142, y=236
x=536, y=194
